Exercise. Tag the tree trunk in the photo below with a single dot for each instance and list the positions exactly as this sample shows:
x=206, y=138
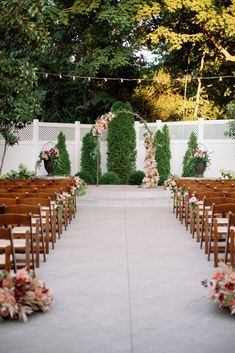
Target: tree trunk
x=199, y=87
x=3, y=156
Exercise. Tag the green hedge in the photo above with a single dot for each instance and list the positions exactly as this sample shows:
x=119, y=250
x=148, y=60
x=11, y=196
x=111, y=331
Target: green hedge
x=163, y=154
x=122, y=142
x=188, y=167
x=89, y=156
x=62, y=165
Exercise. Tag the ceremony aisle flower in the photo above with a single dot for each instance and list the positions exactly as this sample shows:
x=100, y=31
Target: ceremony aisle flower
x=22, y=294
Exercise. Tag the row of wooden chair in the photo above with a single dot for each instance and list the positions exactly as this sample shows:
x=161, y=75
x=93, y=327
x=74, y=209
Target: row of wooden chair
x=212, y=220
x=29, y=223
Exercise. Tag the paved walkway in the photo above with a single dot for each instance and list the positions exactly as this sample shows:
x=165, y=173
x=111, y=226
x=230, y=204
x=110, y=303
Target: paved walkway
x=126, y=279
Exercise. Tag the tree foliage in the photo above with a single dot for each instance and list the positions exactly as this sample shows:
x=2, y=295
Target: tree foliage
x=24, y=36
x=121, y=142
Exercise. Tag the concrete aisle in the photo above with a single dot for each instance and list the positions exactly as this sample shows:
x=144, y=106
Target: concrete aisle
x=126, y=279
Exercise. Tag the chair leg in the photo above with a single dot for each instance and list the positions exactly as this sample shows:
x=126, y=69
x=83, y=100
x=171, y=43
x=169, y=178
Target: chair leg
x=215, y=245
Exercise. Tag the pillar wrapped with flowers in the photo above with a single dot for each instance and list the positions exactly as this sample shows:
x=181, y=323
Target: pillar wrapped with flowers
x=151, y=173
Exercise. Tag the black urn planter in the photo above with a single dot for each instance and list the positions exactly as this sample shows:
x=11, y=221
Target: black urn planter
x=200, y=168
x=49, y=166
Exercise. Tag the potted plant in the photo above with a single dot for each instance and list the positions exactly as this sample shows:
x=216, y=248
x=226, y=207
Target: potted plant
x=200, y=160
x=48, y=157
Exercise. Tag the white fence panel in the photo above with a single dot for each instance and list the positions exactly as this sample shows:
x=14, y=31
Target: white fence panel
x=210, y=134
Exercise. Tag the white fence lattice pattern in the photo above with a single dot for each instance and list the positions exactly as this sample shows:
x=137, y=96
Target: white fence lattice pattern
x=210, y=135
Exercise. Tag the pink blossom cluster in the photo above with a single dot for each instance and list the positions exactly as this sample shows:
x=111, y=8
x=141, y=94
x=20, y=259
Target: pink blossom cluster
x=102, y=123
x=222, y=288
x=151, y=173
x=199, y=154
x=170, y=184
x=193, y=202
x=50, y=154
x=78, y=186
x=21, y=295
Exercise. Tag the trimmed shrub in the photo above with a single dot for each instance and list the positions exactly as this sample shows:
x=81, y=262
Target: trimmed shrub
x=136, y=177
x=163, y=153
x=89, y=155
x=86, y=176
x=110, y=178
x=122, y=142
x=62, y=165
x=188, y=165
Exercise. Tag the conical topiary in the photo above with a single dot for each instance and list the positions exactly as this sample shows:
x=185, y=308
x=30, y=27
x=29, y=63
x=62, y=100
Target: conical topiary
x=89, y=153
x=122, y=142
x=188, y=167
x=63, y=164
x=163, y=153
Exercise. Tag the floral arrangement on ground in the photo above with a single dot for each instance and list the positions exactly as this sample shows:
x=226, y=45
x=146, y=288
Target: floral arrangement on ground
x=21, y=294
x=222, y=288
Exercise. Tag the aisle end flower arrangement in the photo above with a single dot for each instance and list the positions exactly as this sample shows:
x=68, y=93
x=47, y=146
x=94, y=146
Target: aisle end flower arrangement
x=171, y=185
x=222, y=288
x=78, y=186
x=22, y=294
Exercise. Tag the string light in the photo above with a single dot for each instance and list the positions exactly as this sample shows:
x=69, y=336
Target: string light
x=138, y=80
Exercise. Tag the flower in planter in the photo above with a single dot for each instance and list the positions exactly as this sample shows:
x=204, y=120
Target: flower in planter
x=47, y=155
x=200, y=156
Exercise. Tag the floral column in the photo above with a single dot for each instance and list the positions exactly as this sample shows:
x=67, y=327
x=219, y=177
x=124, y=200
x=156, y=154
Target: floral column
x=151, y=173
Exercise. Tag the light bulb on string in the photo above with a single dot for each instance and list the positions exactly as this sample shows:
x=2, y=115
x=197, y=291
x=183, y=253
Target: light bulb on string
x=46, y=75
x=221, y=78
x=74, y=78
x=139, y=80
x=89, y=79
x=121, y=80
x=60, y=76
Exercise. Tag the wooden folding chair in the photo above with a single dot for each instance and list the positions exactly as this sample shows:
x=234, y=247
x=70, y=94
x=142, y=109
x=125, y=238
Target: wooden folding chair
x=47, y=211
x=36, y=212
x=6, y=241
x=230, y=245
x=218, y=229
x=23, y=235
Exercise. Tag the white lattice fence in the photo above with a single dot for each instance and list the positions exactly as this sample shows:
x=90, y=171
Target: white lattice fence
x=210, y=135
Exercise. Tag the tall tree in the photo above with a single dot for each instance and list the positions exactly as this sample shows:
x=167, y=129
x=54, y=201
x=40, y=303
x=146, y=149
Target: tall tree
x=101, y=39
x=24, y=36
